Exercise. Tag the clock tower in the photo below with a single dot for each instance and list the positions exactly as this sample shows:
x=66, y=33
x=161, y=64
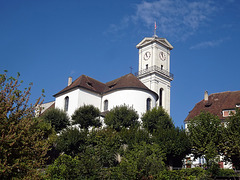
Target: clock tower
x=154, y=68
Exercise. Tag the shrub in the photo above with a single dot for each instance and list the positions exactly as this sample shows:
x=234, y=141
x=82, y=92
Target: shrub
x=58, y=119
x=86, y=116
x=64, y=167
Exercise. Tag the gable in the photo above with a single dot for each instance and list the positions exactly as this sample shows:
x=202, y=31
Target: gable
x=161, y=41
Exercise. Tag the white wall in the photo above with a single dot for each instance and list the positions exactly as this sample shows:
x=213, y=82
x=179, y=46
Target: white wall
x=73, y=101
x=89, y=98
x=155, y=83
x=130, y=97
x=78, y=97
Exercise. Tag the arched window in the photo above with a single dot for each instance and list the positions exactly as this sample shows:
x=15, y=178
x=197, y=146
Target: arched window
x=66, y=102
x=148, y=104
x=160, y=97
x=105, y=105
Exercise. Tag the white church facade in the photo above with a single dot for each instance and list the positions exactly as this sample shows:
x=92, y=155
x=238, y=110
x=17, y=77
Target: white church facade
x=148, y=88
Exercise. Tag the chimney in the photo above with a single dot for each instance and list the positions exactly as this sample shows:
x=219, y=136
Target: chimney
x=69, y=80
x=205, y=96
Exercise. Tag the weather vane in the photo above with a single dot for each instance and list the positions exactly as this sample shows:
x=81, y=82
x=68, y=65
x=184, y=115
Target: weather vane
x=155, y=29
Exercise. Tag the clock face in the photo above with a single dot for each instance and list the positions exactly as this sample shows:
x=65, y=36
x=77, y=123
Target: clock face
x=147, y=55
x=162, y=55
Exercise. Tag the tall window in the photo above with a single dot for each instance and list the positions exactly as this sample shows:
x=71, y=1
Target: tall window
x=148, y=104
x=105, y=105
x=160, y=97
x=146, y=66
x=66, y=102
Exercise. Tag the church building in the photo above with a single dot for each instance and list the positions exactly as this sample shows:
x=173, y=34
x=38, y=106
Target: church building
x=148, y=88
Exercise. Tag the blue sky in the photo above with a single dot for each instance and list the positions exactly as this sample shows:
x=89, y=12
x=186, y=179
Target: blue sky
x=49, y=40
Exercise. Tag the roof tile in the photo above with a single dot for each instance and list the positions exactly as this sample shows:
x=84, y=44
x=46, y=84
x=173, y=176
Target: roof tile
x=216, y=103
x=127, y=81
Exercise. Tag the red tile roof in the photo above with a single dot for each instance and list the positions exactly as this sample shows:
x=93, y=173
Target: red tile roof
x=127, y=81
x=84, y=82
x=215, y=104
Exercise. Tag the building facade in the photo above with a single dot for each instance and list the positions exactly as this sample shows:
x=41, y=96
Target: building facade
x=148, y=88
x=221, y=104
x=154, y=68
x=126, y=90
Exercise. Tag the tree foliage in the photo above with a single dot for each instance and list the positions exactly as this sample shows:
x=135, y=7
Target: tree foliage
x=58, y=118
x=133, y=136
x=23, y=146
x=231, y=139
x=172, y=140
x=64, y=167
x=121, y=117
x=157, y=119
x=105, y=143
x=205, y=134
x=175, y=143
x=144, y=161
x=86, y=116
x=71, y=141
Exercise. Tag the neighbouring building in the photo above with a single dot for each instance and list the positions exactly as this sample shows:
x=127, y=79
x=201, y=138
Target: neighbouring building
x=221, y=104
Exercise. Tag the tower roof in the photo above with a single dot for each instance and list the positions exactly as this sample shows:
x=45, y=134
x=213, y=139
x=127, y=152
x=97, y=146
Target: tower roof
x=149, y=40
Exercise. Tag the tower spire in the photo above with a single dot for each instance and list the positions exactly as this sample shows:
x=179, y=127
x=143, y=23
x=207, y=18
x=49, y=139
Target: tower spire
x=155, y=29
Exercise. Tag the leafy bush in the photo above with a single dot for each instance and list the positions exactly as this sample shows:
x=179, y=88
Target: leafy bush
x=121, y=117
x=58, y=119
x=144, y=161
x=189, y=174
x=227, y=173
x=86, y=116
x=157, y=119
x=71, y=141
x=64, y=167
x=104, y=144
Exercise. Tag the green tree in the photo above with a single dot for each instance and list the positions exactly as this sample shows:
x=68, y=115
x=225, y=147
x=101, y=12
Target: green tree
x=87, y=116
x=103, y=145
x=172, y=140
x=64, y=167
x=71, y=141
x=58, y=119
x=175, y=143
x=47, y=130
x=143, y=161
x=121, y=117
x=205, y=132
x=133, y=136
x=157, y=119
x=231, y=139
x=23, y=147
